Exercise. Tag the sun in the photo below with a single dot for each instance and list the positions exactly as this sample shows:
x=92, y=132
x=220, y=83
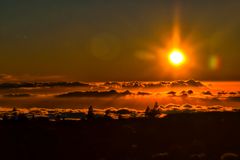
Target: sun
x=176, y=57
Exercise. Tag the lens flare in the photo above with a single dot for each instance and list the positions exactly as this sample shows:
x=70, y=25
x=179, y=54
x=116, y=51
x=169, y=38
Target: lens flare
x=214, y=62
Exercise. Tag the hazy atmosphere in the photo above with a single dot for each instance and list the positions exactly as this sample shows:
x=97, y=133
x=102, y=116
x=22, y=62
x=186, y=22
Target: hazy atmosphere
x=119, y=40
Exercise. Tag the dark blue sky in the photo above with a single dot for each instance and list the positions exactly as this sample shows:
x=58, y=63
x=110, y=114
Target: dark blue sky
x=115, y=40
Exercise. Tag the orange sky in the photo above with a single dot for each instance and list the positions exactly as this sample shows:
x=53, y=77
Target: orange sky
x=120, y=40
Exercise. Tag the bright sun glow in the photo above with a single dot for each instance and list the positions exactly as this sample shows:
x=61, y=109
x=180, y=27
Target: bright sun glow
x=176, y=57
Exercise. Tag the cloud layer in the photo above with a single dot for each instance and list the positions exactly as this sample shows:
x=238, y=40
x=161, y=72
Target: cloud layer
x=133, y=94
x=78, y=114
x=95, y=94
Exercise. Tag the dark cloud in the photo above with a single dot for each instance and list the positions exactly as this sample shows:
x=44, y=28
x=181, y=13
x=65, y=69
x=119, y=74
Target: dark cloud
x=182, y=93
x=172, y=93
x=207, y=93
x=94, y=94
x=124, y=111
x=190, y=92
x=143, y=93
x=235, y=99
x=109, y=85
x=215, y=108
x=228, y=94
x=187, y=106
x=222, y=93
x=233, y=93
x=189, y=83
x=140, y=84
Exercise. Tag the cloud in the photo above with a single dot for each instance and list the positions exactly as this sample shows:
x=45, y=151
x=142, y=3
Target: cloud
x=190, y=92
x=78, y=114
x=207, y=93
x=188, y=83
x=236, y=98
x=222, y=93
x=10, y=82
x=181, y=94
x=172, y=93
x=143, y=93
x=194, y=108
x=124, y=111
x=230, y=95
x=187, y=106
x=140, y=84
x=94, y=94
x=233, y=93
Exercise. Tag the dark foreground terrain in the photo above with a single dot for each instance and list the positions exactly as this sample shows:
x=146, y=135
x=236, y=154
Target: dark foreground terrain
x=206, y=136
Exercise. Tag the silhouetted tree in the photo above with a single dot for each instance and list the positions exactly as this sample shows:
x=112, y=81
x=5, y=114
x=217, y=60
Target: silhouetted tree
x=120, y=116
x=33, y=116
x=133, y=115
x=156, y=106
x=5, y=117
x=107, y=112
x=22, y=117
x=58, y=117
x=153, y=112
x=147, y=111
x=106, y=115
x=14, y=113
x=14, y=109
x=90, y=114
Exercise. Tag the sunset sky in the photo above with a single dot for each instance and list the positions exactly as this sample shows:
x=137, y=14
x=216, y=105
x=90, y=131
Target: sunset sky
x=99, y=40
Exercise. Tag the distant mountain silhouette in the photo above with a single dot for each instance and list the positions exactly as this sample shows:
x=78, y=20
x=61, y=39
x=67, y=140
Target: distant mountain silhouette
x=95, y=94
x=130, y=84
